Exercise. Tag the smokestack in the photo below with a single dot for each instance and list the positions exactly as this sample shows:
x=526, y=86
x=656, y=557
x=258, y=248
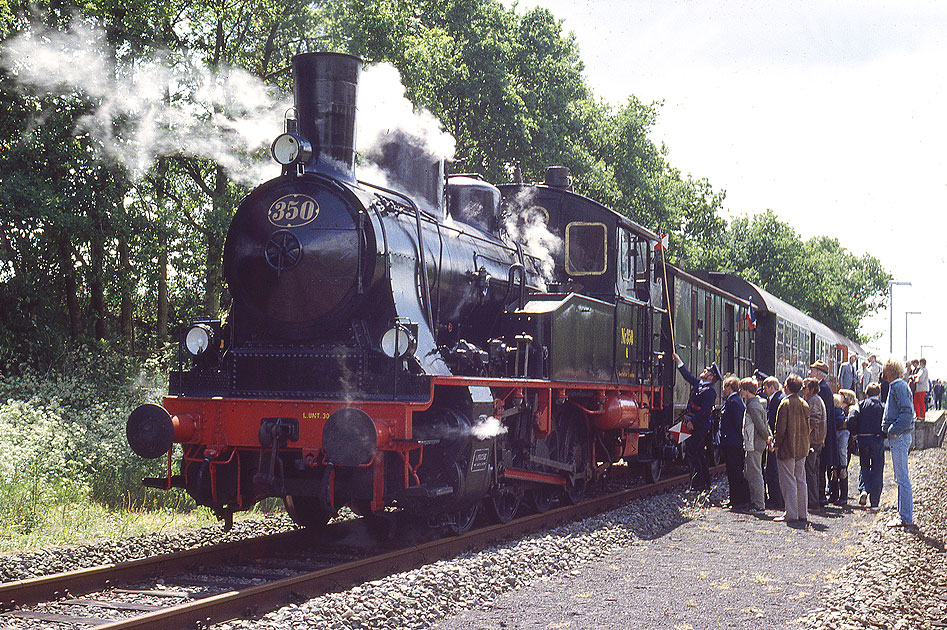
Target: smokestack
x=325, y=86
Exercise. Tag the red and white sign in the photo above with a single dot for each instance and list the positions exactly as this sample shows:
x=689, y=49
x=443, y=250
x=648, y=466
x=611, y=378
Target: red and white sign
x=679, y=432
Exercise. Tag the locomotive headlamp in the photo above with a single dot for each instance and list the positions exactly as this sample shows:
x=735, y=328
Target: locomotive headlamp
x=398, y=341
x=199, y=339
x=290, y=148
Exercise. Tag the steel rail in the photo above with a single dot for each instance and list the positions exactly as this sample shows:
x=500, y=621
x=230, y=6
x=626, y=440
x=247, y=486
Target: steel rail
x=257, y=600
x=81, y=581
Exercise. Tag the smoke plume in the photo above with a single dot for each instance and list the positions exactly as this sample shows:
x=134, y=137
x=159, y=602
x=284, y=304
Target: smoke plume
x=386, y=114
x=525, y=222
x=155, y=106
x=152, y=106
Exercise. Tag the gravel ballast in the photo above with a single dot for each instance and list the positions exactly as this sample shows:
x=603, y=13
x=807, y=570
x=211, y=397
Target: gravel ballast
x=670, y=561
x=673, y=560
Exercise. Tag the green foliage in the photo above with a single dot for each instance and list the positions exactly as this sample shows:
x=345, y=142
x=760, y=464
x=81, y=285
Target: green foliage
x=818, y=276
x=62, y=437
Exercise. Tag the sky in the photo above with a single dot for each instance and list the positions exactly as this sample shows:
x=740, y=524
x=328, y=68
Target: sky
x=833, y=114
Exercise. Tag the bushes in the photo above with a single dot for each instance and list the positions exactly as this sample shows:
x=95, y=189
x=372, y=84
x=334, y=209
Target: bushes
x=62, y=436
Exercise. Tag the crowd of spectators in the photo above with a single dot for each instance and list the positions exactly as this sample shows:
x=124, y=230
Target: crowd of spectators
x=787, y=446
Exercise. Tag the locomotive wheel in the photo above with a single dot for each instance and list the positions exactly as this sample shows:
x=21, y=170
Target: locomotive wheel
x=307, y=511
x=541, y=498
x=653, y=470
x=463, y=520
x=575, y=490
x=505, y=502
x=573, y=448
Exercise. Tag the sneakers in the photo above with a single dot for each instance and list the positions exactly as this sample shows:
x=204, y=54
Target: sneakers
x=895, y=522
x=874, y=509
x=863, y=498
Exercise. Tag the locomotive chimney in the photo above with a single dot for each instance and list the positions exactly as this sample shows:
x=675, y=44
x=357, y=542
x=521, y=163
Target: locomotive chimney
x=325, y=86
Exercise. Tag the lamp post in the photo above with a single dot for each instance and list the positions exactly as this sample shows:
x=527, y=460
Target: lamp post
x=906, y=332
x=891, y=284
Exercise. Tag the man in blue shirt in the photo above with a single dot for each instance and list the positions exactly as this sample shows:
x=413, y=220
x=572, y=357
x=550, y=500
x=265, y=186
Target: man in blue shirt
x=697, y=416
x=898, y=423
x=865, y=422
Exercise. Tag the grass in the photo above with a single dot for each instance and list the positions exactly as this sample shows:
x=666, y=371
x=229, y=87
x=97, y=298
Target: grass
x=88, y=523
x=67, y=476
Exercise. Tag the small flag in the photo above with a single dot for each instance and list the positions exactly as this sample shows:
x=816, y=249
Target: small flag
x=662, y=245
x=679, y=432
x=751, y=317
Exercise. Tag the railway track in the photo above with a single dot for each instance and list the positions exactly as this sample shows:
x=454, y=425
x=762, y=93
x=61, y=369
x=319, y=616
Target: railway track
x=199, y=587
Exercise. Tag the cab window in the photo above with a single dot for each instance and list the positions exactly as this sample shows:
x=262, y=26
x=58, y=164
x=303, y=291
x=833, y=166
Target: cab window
x=586, y=249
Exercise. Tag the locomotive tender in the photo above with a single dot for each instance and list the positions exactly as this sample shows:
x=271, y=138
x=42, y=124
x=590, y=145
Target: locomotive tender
x=405, y=349
x=386, y=349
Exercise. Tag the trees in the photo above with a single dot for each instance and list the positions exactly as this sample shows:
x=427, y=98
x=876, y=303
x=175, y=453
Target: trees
x=818, y=276
x=93, y=250
x=85, y=215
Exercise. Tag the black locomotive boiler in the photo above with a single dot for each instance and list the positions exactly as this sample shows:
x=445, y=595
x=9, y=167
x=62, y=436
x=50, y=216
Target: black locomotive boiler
x=399, y=348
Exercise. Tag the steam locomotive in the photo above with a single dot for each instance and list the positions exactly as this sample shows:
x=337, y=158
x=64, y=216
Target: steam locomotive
x=411, y=346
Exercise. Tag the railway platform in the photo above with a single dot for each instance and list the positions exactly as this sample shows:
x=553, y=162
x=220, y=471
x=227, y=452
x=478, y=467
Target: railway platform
x=724, y=569
x=929, y=433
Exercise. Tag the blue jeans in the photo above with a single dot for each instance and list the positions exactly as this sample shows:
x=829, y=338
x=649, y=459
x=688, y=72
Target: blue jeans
x=871, y=453
x=900, y=445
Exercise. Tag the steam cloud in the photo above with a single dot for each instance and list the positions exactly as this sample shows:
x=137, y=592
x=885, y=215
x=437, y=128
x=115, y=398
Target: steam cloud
x=154, y=107
x=384, y=110
x=526, y=223
x=487, y=427
x=399, y=143
x=484, y=428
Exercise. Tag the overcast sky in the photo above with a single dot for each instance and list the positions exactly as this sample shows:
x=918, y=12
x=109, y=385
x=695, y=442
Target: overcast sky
x=832, y=114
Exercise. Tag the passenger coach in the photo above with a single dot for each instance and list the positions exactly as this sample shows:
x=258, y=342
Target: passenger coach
x=787, y=340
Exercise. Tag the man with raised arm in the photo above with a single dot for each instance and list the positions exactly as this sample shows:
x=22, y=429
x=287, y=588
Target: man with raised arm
x=697, y=418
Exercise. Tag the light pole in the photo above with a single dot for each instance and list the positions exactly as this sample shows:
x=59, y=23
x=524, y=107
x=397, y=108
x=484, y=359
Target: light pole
x=891, y=284
x=906, y=332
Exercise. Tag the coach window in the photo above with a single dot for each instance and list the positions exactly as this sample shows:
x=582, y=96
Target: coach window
x=586, y=249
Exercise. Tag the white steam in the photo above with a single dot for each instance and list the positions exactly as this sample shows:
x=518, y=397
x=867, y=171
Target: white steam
x=484, y=428
x=487, y=427
x=153, y=107
x=384, y=110
x=525, y=223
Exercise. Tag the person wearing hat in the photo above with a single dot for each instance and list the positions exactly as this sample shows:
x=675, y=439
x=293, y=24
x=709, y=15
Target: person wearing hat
x=819, y=371
x=697, y=416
